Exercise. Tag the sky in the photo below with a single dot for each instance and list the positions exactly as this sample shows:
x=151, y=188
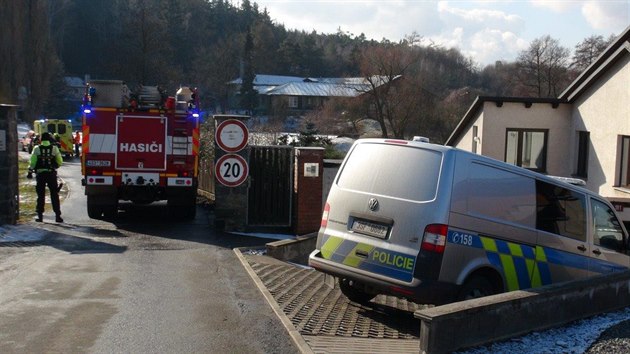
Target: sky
x=484, y=30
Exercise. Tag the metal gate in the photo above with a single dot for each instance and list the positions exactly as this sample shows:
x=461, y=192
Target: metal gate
x=271, y=188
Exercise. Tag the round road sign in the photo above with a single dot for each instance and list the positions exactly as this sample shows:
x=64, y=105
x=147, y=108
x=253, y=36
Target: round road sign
x=231, y=135
x=231, y=170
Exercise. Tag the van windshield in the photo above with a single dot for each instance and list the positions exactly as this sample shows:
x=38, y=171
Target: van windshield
x=392, y=170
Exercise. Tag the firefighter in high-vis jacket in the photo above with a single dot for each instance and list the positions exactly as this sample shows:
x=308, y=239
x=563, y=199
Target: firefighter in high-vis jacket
x=45, y=160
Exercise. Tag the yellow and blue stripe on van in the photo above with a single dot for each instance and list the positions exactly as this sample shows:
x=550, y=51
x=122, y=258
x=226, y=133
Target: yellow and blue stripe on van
x=369, y=258
x=526, y=266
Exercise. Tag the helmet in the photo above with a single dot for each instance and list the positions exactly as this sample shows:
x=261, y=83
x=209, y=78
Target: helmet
x=46, y=136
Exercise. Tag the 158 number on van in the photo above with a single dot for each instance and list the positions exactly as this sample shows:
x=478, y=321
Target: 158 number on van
x=461, y=238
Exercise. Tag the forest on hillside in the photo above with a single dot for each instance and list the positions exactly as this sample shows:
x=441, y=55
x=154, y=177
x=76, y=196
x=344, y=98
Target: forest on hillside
x=206, y=43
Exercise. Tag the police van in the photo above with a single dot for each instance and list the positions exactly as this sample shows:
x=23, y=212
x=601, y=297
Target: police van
x=435, y=224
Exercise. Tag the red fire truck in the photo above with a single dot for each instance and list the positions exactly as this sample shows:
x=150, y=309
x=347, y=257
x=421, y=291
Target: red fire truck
x=140, y=146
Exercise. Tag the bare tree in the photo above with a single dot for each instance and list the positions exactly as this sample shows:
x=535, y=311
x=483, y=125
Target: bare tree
x=11, y=41
x=331, y=118
x=382, y=66
x=216, y=66
x=588, y=50
x=543, y=67
x=143, y=42
x=29, y=61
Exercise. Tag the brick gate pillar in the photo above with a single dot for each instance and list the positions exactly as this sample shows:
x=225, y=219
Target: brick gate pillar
x=307, y=189
x=9, y=192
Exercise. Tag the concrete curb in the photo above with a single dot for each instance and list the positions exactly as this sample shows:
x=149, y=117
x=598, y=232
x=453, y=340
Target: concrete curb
x=294, y=333
x=293, y=250
x=480, y=321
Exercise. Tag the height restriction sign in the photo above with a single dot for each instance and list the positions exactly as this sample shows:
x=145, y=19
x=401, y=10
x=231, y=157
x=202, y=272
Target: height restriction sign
x=231, y=170
x=231, y=135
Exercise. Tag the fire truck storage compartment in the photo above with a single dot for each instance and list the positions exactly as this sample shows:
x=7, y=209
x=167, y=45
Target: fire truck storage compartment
x=109, y=93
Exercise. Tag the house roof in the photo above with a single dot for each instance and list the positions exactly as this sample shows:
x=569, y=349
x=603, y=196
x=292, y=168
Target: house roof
x=318, y=89
x=276, y=85
x=478, y=105
x=619, y=47
x=269, y=80
x=616, y=50
x=73, y=81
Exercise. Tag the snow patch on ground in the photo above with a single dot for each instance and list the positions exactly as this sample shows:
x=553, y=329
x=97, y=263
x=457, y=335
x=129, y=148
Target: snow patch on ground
x=576, y=337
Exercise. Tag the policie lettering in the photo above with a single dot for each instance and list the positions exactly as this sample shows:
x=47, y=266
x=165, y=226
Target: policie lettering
x=131, y=147
x=395, y=260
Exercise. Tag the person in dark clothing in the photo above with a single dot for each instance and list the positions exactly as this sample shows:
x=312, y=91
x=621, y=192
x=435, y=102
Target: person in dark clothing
x=45, y=160
x=77, y=143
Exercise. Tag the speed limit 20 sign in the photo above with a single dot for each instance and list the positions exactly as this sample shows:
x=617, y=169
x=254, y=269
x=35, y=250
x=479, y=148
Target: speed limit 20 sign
x=231, y=170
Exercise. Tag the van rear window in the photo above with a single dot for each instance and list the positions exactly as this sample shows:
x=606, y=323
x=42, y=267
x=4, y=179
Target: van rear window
x=392, y=170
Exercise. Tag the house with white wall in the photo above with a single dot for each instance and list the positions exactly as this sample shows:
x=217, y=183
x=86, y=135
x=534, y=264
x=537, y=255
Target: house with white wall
x=584, y=133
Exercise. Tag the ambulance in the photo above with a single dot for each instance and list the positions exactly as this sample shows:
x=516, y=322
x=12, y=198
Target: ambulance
x=61, y=129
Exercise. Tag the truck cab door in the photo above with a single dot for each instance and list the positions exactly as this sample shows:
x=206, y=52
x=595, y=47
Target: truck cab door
x=609, y=240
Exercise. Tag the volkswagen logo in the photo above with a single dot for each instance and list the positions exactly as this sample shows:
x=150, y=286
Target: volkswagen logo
x=373, y=204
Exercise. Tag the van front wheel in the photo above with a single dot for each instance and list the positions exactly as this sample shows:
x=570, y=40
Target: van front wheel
x=476, y=287
x=353, y=292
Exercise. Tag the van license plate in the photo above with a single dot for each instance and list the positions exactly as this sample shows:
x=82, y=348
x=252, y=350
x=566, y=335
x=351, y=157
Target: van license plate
x=369, y=228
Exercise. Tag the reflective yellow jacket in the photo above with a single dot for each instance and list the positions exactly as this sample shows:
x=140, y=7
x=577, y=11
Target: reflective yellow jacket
x=36, y=153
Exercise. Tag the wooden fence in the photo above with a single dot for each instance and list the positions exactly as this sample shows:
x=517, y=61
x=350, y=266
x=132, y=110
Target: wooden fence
x=206, y=179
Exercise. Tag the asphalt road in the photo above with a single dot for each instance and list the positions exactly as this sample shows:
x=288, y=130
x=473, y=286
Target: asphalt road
x=144, y=284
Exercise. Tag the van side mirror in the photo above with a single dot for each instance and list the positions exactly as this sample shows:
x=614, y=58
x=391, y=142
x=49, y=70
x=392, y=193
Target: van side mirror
x=611, y=242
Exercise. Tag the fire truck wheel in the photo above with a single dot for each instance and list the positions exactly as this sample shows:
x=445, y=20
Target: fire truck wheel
x=190, y=211
x=184, y=208
x=183, y=212
x=110, y=211
x=94, y=211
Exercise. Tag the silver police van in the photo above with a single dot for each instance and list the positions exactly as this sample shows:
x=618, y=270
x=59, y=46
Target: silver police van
x=436, y=224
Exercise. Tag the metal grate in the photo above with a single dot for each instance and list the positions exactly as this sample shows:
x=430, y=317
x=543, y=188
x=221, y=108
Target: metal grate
x=317, y=310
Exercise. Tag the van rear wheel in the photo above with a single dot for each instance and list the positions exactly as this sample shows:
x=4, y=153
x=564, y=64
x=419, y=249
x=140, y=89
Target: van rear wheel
x=476, y=287
x=353, y=292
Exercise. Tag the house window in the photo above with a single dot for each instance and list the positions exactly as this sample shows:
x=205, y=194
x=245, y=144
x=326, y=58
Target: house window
x=527, y=148
x=624, y=162
x=475, y=138
x=582, y=154
x=293, y=102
